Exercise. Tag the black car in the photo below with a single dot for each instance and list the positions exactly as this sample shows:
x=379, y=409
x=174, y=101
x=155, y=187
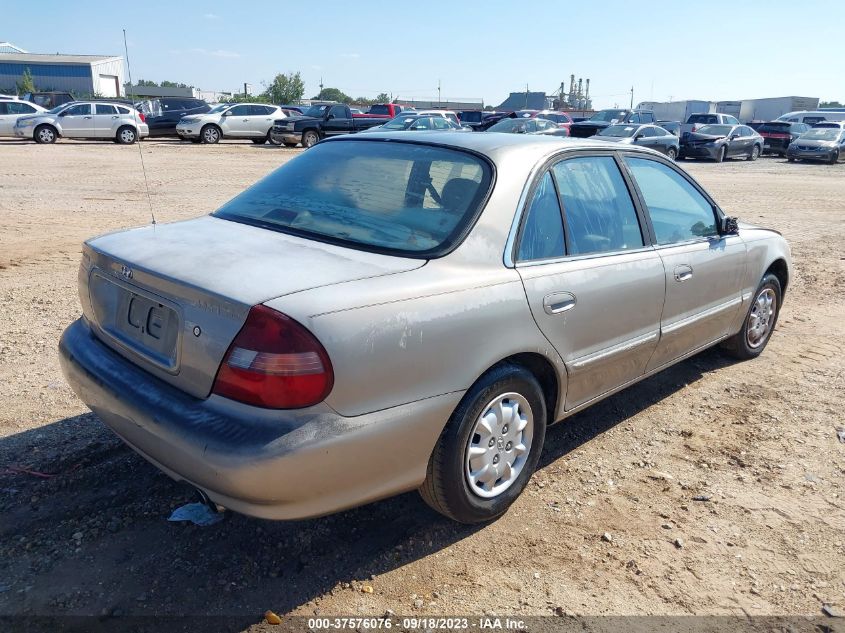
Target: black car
x=673, y=127
x=720, y=141
x=778, y=135
x=163, y=114
x=605, y=118
x=651, y=136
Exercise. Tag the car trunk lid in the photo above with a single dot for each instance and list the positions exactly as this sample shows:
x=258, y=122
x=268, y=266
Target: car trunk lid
x=171, y=297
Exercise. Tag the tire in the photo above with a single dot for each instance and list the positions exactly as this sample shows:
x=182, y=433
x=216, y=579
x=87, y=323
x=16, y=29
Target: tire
x=720, y=157
x=310, y=138
x=259, y=141
x=834, y=159
x=671, y=154
x=291, y=144
x=752, y=338
x=210, y=134
x=755, y=153
x=126, y=135
x=45, y=134
x=448, y=487
x=790, y=159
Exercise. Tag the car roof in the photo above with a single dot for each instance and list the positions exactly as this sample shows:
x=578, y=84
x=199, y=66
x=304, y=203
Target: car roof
x=532, y=147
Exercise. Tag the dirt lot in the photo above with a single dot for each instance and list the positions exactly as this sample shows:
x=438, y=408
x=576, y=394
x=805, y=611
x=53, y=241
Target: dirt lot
x=85, y=531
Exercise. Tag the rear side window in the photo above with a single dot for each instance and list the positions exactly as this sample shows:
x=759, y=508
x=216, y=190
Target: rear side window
x=399, y=198
x=103, y=108
x=678, y=211
x=17, y=107
x=600, y=216
x=123, y=110
x=542, y=234
x=4, y=107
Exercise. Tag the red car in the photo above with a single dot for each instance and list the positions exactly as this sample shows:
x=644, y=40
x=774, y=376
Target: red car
x=562, y=119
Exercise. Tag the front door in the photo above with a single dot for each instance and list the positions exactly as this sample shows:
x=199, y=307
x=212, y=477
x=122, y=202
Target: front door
x=338, y=121
x=77, y=121
x=596, y=287
x=704, y=270
x=236, y=121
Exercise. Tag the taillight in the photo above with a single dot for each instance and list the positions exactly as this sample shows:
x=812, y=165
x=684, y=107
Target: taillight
x=274, y=362
x=143, y=117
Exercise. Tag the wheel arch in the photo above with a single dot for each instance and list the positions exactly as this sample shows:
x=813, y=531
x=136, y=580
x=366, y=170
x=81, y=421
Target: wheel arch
x=780, y=269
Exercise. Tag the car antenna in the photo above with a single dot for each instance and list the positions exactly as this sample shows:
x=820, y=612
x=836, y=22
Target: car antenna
x=140, y=151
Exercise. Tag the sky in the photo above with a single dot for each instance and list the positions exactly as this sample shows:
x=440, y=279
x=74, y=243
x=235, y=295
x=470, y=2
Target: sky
x=712, y=50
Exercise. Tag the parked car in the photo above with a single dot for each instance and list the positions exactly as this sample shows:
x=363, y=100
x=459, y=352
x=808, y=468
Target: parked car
x=473, y=118
x=449, y=114
x=319, y=122
x=606, y=118
x=231, y=120
x=387, y=110
x=380, y=316
x=525, y=126
x=420, y=122
x=650, y=136
x=163, y=114
x=13, y=109
x=697, y=121
x=355, y=111
x=673, y=127
x=48, y=99
x=777, y=135
x=718, y=142
x=561, y=118
x=834, y=124
x=84, y=119
x=488, y=121
x=811, y=117
x=818, y=143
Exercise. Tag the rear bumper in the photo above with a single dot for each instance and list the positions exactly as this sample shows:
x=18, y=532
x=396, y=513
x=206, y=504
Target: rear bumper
x=268, y=464
x=774, y=146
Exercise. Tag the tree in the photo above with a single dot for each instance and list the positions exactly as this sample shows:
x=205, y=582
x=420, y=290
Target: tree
x=240, y=97
x=285, y=89
x=831, y=104
x=149, y=84
x=332, y=94
x=382, y=97
x=26, y=84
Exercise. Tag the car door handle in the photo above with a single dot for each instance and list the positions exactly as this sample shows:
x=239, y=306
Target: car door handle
x=558, y=302
x=115, y=117
x=86, y=117
x=682, y=273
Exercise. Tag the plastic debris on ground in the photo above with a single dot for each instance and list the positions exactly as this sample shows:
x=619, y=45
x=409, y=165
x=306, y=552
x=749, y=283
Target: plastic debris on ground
x=197, y=513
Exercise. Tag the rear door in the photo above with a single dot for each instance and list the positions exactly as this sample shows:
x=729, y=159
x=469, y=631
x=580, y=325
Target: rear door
x=7, y=121
x=77, y=121
x=595, y=287
x=262, y=118
x=703, y=269
x=106, y=120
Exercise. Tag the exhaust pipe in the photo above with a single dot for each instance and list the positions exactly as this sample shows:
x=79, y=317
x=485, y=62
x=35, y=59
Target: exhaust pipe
x=207, y=502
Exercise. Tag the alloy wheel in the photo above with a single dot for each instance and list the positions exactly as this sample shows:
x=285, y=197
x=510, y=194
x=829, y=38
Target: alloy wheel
x=761, y=319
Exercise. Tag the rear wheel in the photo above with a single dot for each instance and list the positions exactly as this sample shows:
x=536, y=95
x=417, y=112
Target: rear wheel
x=720, y=156
x=259, y=141
x=790, y=159
x=126, y=135
x=45, y=134
x=760, y=321
x=755, y=153
x=671, y=153
x=489, y=448
x=310, y=138
x=210, y=134
x=835, y=158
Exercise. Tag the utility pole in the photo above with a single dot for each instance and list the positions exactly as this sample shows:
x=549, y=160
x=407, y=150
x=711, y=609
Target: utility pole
x=246, y=89
x=439, y=100
x=526, y=96
x=321, y=87
x=632, y=97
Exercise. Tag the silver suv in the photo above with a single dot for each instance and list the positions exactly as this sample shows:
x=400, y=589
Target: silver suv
x=84, y=119
x=231, y=120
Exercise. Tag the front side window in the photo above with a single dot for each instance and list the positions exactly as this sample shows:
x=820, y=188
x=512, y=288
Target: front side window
x=240, y=110
x=542, y=234
x=678, y=211
x=338, y=112
x=81, y=109
x=600, y=215
x=401, y=198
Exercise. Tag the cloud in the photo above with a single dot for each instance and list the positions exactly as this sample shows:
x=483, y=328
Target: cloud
x=350, y=55
x=211, y=16
x=217, y=53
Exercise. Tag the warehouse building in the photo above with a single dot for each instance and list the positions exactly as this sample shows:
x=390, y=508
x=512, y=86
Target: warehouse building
x=81, y=75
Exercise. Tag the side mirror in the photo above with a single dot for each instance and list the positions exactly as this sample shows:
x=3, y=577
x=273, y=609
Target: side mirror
x=63, y=113
x=330, y=117
x=227, y=113
x=639, y=136
x=729, y=226
x=734, y=136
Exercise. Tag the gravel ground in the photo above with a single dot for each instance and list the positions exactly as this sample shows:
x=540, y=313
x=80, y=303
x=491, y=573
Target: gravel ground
x=712, y=488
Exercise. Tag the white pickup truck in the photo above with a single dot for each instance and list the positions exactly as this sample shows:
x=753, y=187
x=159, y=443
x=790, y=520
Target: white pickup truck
x=696, y=121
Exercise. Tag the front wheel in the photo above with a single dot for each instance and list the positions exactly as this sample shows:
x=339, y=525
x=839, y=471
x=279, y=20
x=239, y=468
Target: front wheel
x=760, y=321
x=835, y=158
x=45, y=134
x=126, y=135
x=310, y=139
x=671, y=154
x=720, y=156
x=755, y=153
x=790, y=159
x=210, y=134
x=489, y=448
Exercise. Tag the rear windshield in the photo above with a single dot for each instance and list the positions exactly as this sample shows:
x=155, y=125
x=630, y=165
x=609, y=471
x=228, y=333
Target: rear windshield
x=821, y=134
x=703, y=118
x=608, y=115
x=716, y=130
x=379, y=109
x=775, y=128
x=397, y=198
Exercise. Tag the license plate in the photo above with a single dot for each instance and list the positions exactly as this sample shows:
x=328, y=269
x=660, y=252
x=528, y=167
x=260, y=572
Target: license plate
x=145, y=323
